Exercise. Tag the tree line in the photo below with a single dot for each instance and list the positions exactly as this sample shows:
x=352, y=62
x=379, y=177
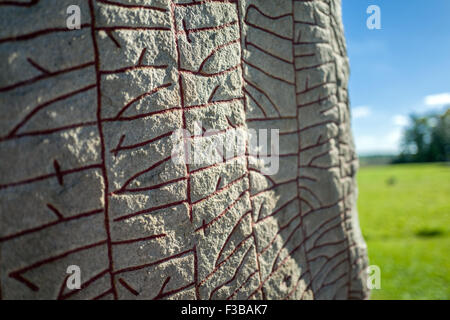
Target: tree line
x=426, y=138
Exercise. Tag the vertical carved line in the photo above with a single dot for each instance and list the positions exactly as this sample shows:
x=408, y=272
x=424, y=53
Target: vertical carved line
x=242, y=39
x=297, y=111
x=102, y=145
x=186, y=151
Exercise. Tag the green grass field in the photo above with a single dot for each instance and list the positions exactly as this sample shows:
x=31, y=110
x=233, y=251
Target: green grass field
x=404, y=212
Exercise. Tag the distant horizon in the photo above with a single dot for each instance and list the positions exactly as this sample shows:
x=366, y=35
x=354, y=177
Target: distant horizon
x=377, y=155
x=397, y=153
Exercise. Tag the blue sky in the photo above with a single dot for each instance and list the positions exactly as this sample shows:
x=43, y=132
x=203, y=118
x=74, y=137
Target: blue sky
x=401, y=69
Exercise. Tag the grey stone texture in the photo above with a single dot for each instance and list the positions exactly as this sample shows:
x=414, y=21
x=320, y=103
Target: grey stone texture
x=85, y=142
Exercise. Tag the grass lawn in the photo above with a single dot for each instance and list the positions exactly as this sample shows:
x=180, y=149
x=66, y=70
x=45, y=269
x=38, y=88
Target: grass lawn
x=404, y=211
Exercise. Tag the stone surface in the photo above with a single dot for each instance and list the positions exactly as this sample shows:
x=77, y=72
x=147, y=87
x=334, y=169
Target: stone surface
x=85, y=141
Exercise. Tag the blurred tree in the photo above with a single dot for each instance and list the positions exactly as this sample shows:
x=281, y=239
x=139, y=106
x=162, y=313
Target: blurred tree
x=427, y=139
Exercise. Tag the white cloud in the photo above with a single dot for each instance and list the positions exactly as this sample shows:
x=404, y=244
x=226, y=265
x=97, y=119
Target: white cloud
x=437, y=99
x=361, y=112
x=400, y=120
x=388, y=143
x=365, y=143
x=394, y=137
